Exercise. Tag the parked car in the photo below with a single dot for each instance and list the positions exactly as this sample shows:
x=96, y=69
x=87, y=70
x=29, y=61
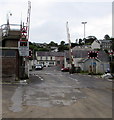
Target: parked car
x=38, y=67
x=65, y=69
x=107, y=76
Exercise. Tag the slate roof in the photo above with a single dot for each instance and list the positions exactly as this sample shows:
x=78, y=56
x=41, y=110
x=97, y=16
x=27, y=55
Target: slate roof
x=102, y=56
x=57, y=54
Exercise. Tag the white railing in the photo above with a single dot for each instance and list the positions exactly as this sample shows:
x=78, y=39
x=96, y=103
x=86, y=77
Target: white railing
x=5, y=28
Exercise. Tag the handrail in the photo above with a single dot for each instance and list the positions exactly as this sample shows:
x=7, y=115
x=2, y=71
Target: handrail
x=8, y=27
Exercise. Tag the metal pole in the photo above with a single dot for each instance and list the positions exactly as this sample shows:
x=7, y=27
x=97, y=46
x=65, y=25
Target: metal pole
x=70, y=50
x=84, y=30
x=68, y=37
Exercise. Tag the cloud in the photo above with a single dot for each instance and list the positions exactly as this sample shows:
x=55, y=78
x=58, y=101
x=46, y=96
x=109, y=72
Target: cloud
x=48, y=19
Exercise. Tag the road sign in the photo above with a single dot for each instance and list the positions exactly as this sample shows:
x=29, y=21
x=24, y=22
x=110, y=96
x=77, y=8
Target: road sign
x=92, y=54
x=23, y=47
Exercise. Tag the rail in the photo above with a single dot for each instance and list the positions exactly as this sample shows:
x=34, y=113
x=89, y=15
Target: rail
x=6, y=28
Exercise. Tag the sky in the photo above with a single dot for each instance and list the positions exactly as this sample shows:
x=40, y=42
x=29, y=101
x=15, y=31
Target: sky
x=48, y=18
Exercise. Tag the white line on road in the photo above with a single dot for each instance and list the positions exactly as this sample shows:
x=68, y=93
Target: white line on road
x=74, y=79
x=39, y=77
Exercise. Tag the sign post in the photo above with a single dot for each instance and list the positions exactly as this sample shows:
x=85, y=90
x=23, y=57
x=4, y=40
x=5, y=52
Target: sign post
x=23, y=47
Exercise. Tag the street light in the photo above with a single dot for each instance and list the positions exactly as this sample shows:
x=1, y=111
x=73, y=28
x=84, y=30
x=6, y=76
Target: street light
x=84, y=29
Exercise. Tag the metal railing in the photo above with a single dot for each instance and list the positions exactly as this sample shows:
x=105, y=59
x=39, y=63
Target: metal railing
x=6, y=28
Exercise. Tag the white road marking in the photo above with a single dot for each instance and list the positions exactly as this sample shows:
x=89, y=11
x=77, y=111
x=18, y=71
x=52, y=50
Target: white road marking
x=39, y=77
x=74, y=79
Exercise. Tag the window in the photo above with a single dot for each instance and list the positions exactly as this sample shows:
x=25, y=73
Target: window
x=51, y=63
x=9, y=53
x=58, y=62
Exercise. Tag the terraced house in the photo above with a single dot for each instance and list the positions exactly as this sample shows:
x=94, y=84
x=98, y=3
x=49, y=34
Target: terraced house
x=50, y=58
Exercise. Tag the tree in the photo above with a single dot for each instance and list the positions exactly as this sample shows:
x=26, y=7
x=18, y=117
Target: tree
x=90, y=39
x=43, y=49
x=62, y=43
x=53, y=44
x=80, y=41
x=107, y=37
x=62, y=46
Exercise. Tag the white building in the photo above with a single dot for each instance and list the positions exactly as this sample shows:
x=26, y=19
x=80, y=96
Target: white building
x=96, y=45
x=81, y=59
x=50, y=58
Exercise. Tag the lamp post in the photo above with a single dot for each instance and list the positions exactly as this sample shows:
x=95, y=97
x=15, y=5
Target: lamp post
x=84, y=29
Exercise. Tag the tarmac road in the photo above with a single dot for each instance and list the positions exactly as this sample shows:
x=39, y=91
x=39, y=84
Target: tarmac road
x=55, y=94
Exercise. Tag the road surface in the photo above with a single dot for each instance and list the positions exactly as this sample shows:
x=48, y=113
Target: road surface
x=55, y=94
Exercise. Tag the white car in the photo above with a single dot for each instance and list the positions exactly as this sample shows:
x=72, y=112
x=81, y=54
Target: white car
x=107, y=76
x=38, y=67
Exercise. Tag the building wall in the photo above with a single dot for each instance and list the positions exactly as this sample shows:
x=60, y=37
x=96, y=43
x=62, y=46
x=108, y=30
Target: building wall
x=97, y=66
x=10, y=63
x=106, y=45
x=59, y=61
x=8, y=66
x=47, y=62
x=95, y=45
x=11, y=43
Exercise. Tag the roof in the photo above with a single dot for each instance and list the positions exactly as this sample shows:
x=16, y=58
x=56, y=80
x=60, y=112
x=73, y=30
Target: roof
x=57, y=54
x=97, y=41
x=102, y=56
x=79, y=53
x=106, y=41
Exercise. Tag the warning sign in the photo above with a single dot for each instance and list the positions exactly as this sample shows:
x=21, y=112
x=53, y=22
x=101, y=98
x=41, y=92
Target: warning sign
x=23, y=47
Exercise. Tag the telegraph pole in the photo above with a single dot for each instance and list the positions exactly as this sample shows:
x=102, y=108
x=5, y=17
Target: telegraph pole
x=84, y=30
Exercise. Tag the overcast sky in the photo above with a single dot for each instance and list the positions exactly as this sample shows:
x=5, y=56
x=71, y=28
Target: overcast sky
x=48, y=19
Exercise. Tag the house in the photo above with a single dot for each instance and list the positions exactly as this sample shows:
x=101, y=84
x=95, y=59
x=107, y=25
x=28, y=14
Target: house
x=106, y=44
x=96, y=65
x=80, y=57
x=96, y=44
x=50, y=58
